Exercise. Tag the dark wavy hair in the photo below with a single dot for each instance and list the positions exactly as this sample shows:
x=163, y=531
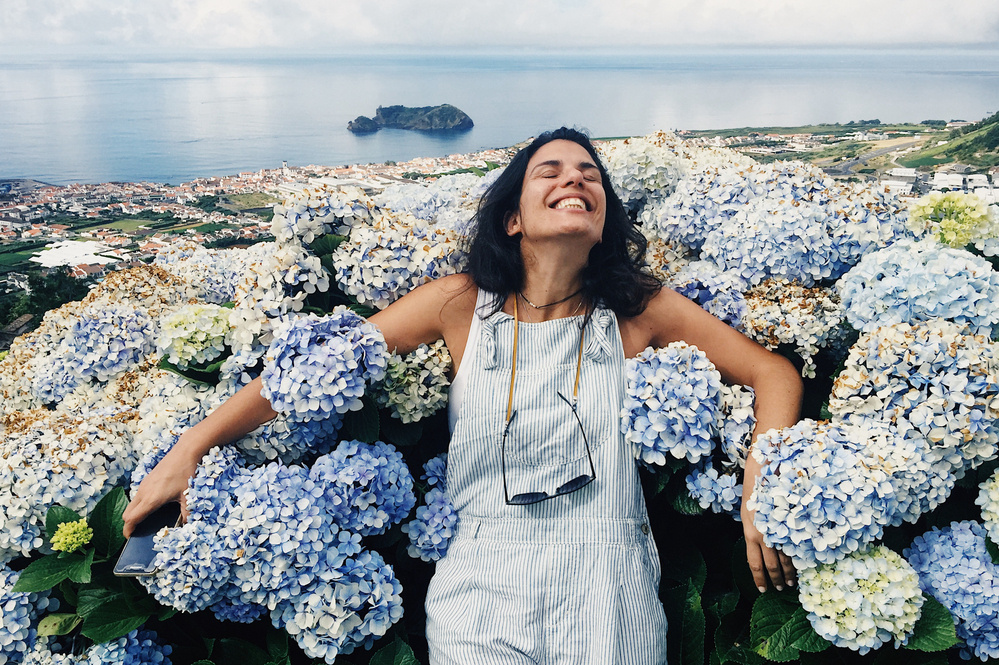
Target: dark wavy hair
x=615, y=276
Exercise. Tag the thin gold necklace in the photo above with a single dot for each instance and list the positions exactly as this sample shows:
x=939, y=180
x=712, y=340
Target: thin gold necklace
x=551, y=304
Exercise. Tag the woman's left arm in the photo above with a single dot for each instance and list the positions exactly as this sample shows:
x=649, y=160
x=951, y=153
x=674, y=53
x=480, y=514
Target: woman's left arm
x=670, y=317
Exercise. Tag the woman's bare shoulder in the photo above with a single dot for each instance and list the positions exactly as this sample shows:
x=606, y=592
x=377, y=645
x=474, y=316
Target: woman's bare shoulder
x=433, y=311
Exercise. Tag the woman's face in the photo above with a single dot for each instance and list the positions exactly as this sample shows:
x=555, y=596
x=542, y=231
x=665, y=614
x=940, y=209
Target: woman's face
x=561, y=197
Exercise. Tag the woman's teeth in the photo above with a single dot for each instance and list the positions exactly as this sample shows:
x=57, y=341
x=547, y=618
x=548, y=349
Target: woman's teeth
x=570, y=203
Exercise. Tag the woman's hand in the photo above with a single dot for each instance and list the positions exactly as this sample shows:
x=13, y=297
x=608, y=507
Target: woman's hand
x=168, y=481
x=764, y=562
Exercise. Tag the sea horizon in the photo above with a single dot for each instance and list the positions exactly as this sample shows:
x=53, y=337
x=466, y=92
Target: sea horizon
x=170, y=118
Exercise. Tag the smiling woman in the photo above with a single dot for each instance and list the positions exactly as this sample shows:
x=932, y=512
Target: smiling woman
x=543, y=482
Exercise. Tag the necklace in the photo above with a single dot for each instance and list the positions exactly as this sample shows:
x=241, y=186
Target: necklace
x=551, y=304
x=530, y=319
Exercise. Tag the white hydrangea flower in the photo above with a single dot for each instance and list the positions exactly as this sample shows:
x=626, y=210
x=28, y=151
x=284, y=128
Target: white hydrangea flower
x=415, y=386
x=194, y=334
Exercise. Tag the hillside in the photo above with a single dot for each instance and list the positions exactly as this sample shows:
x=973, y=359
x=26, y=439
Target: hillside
x=976, y=145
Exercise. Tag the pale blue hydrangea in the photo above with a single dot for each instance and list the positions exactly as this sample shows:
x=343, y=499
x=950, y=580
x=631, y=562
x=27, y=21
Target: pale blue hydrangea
x=193, y=335
x=447, y=202
x=53, y=376
x=643, y=168
x=109, y=339
x=782, y=313
x=369, y=487
x=214, y=272
x=318, y=366
x=671, y=404
x=716, y=291
x=378, y=265
x=867, y=218
x=285, y=439
x=20, y=612
x=350, y=604
x=735, y=424
x=435, y=472
x=139, y=647
x=51, y=457
x=721, y=492
x=821, y=494
x=415, y=386
x=932, y=380
x=280, y=278
x=193, y=567
x=319, y=209
x=47, y=651
x=229, y=609
x=864, y=600
x=954, y=567
x=914, y=281
x=431, y=532
x=988, y=499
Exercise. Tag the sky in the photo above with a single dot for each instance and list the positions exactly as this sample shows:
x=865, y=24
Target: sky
x=293, y=26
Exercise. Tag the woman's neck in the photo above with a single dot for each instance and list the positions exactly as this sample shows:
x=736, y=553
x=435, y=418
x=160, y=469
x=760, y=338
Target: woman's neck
x=552, y=288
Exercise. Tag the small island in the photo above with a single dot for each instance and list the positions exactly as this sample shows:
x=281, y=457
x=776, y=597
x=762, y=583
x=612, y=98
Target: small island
x=421, y=118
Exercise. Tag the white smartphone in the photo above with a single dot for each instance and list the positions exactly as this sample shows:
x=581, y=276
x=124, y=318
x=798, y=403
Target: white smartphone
x=136, y=558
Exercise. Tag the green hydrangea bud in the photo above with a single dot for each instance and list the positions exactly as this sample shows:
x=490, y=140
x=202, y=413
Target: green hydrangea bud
x=71, y=536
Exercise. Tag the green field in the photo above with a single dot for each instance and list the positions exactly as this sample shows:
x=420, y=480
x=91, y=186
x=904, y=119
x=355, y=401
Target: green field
x=834, y=130
x=251, y=201
x=11, y=259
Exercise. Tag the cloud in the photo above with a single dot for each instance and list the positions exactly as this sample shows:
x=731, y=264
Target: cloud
x=327, y=25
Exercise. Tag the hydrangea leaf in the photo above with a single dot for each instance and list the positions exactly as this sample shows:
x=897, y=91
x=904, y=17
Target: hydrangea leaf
x=46, y=572
x=729, y=647
x=90, y=599
x=397, y=653
x=195, y=376
x=57, y=515
x=687, y=564
x=110, y=621
x=363, y=310
x=401, y=434
x=79, y=571
x=681, y=500
x=325, y=245
x=106, y=521
x=58, y=624
x=693, y=627
x=277, y=646
x=233, y=651
x=935, y=629
x=777, y=623
x=362, y=425
x=993, y=550
x=723, y=605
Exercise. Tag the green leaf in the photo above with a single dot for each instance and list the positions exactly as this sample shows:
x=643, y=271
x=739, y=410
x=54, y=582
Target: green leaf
x=686, y=563
x=730, y=647
x=190, y=374
x=692, y=649
x=57, y=515
x=79, y=572
x=935, y=630
x=203, y=662
x=396, y=653
x=89, y=599
x=361, y=425
x=723, y=605
x=680, y=498
x=362, y=310
x=277, y=646
x=234, y=651
x=58, y=624
x=992, y=549
x=399, y=433
x=105, y=520
x=111, y=621
x=326, y=244
x=46, y=572
x=777, y=625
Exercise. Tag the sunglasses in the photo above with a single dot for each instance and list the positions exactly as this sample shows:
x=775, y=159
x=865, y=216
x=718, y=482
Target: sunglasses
x=577, y=483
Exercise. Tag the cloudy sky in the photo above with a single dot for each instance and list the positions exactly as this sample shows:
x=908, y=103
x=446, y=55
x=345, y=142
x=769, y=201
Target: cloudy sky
x=336, y=25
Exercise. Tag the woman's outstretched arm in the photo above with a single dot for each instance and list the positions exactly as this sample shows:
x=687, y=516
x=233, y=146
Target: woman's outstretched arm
x=670, y=317
x=433, y=311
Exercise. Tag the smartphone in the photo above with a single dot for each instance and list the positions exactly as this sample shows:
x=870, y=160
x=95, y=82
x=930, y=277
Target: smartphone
x=137, y=557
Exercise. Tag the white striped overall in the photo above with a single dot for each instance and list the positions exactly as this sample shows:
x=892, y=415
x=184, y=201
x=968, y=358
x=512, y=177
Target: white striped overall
x=572, y=579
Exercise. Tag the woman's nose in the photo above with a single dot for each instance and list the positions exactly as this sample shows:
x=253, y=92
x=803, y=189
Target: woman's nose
x=572, y=177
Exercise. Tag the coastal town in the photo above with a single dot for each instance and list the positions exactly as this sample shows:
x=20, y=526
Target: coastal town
x=88, y=229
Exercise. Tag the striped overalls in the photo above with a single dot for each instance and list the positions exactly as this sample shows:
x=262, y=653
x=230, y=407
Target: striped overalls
x=570, y=580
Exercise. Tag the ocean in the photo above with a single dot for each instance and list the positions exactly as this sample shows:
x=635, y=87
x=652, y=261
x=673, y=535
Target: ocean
x=172, y=119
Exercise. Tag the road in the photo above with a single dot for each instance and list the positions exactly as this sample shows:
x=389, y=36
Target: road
x=846, y=168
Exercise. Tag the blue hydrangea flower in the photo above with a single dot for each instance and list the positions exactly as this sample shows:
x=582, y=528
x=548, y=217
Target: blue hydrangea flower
x=914, y=281
x=735, y=424
x=21, y=612
x=716, y=291
x=194, y=568
x=280, y=278
x=955, y=567
x=988, y=499
x=139, y=647
x=435, y=472
x=722, y=493
x=933, y=381
x=107, y=340
x=229, y=609
x=318, y=366
x=820, y=494
x=671, y=404
x=431, y=532
x=864, y=600
x=369, y=486
x=349, y=605
x=319, y=209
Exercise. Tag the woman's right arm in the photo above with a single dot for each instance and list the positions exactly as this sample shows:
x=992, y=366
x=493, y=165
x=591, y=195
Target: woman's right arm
x=438, y=310
x=239, y=415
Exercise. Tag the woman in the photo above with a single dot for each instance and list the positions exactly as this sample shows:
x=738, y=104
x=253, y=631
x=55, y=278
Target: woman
x=552, y=561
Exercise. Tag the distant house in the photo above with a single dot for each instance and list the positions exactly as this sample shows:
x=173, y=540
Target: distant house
x=85, y=270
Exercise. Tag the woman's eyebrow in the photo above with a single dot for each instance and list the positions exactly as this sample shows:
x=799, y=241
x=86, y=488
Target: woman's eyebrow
x=583, y=166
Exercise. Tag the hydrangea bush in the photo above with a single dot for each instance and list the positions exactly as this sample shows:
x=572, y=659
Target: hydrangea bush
x=312, y=528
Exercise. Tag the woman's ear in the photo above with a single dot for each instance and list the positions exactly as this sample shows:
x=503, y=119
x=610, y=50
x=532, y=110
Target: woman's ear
x=512, y=223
